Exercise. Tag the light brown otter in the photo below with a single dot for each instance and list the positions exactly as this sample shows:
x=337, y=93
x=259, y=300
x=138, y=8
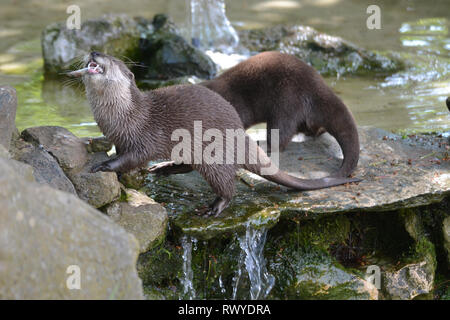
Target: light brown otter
x=141, y=124
x=291, y=96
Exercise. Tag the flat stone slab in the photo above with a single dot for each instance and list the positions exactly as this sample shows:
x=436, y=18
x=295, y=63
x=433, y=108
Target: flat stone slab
x=397, y=172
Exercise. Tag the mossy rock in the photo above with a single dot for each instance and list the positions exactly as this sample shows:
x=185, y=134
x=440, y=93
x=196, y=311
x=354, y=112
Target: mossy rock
x=329, y=55
x=155, y=47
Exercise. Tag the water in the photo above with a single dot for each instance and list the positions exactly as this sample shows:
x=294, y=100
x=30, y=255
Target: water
x=209, y=27
x=413, y=100
x=251, y=265
x=187, y=279
x=252, y=245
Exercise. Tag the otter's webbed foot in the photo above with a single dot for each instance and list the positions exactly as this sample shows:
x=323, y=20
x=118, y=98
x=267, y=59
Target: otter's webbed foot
x=216, y=208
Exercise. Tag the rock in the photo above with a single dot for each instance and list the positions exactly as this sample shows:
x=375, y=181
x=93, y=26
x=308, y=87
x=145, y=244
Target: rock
x=141, y=216
x=156, y=44
x=43, y=232
x=116, y=34
x=446, y=233
x=408, y=282
x=98, y=144
x=21, y=169
x=99, y=188
x=298, y=254
x=46, y=169
x=396, y=173
x=328, y=54
x=4, y=152
x=152, y=84
x=328, y=282
x=8, y=107
x=68, y=150
x=134, y=179
x=168, y=55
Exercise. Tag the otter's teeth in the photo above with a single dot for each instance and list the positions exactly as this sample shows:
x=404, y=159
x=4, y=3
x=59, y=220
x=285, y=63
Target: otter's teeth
x=94, y=68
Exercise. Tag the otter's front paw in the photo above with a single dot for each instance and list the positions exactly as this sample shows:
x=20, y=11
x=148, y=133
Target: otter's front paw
x=162, y=168
x=104, y=166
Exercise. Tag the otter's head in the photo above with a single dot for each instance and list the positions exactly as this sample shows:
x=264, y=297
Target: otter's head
x=110, y=88
x=102, y=69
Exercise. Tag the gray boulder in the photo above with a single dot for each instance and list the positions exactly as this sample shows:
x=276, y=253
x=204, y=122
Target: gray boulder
x=68, y=150
x=45, y=232
x=141, y=216
x=23, y=170
x=99, y=188
x=46, y=169
x=8, y=106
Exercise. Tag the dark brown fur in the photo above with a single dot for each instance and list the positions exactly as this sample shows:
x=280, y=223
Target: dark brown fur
x=290, y=96
x=140, y=124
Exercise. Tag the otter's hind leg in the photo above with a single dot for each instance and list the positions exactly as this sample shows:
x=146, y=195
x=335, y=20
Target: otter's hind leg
x=221, y=180
x=286, y=130
x=169, y=167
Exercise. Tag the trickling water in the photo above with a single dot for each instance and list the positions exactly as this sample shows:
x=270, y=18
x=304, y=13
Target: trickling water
x=187, y=279
x=209, y=26
x=238, y=274
x=252, y=244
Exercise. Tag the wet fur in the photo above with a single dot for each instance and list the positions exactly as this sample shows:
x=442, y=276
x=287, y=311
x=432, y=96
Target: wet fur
x=290, y=96
x=140, y=124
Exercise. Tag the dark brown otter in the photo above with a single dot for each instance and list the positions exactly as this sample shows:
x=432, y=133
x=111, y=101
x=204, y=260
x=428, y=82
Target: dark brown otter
x=291, y=96
x=448, y=103
x=141, y=125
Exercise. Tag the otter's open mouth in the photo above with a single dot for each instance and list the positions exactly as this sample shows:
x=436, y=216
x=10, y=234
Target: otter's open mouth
x=94, y=68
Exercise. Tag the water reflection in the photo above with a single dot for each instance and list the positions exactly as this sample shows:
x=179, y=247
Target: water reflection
x=410, y=100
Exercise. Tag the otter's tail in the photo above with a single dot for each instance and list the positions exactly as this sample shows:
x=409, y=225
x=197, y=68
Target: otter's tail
x=289, y=181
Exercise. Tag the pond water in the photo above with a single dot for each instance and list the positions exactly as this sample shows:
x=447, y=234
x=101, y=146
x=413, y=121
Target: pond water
x=411, y=100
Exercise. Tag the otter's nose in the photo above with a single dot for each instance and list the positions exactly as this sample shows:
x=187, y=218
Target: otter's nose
x=95, y=54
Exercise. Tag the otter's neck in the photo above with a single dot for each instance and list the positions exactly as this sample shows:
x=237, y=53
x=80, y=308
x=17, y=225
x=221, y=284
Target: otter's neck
x=116, y=111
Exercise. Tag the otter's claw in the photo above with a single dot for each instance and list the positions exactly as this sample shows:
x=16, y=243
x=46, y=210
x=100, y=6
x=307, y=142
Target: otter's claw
x=162, y=168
